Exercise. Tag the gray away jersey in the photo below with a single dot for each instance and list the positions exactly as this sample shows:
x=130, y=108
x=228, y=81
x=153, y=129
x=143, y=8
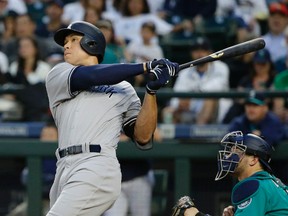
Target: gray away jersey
x=94, y=116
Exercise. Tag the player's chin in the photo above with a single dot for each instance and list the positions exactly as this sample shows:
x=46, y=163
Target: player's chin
x=69, y=60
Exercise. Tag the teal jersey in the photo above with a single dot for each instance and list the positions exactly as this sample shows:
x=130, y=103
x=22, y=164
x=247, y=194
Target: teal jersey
x=260, y=194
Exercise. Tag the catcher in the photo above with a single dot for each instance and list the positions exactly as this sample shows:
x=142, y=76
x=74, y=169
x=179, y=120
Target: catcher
x=258, y=192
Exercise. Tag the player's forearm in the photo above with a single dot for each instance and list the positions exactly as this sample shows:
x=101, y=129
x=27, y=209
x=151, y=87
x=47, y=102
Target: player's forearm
x=147, y=120
x=84, y=77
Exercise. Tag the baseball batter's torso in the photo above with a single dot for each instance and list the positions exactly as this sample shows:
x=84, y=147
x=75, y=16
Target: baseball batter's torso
x=94, y=116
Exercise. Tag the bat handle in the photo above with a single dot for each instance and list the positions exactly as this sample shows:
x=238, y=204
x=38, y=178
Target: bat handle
x=185, y=65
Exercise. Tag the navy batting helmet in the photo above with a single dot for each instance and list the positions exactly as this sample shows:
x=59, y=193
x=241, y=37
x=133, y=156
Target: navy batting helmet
x=93, y=41
x=236, y=143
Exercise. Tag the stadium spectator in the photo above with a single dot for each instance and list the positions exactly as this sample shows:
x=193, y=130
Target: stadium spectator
x=280, y=104
x=252, y=12
x=239, y=67
x=8, y=7
x=91, y=15
x=9, y=27
x=144, y=50
x=98, y=5
x=275, y=38
x=259, y=120
x=244, y=16
x=29, y=71
x=177, y=11
x=51, y=23
x=259, y=78
x=262, y=74
x=36, y=9
x=208, y=77
x=113, y=10
x=281, y=64
x=114, y=52
x=134, y=14
x=52, y=20
x=18, y=6
x=155, y=6
x=4, y=63
x=74, y=11
x=24, y=27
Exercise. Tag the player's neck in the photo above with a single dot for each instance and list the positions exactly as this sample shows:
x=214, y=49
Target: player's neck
x=91, y=60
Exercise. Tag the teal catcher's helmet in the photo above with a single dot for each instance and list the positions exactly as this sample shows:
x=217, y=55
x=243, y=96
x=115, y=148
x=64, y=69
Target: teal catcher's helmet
x=93, y=41
x=236, y=143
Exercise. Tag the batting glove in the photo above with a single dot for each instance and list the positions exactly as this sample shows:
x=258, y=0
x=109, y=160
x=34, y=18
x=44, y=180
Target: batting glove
x=162, y=79
x=173, y=67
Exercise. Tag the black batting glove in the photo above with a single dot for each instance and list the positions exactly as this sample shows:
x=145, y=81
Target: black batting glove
x=162, y=79
x=173, y=67
x=150, y=65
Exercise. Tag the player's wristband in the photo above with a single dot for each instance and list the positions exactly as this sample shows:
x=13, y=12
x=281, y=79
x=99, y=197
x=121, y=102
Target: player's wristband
x=150, y=91
x=145, y=67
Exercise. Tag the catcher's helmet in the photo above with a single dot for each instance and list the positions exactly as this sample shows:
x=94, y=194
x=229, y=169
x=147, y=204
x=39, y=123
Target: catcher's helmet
x=93, y=41
x=236, y=143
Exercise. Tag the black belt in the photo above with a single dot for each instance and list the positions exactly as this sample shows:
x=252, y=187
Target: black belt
x=72, y=150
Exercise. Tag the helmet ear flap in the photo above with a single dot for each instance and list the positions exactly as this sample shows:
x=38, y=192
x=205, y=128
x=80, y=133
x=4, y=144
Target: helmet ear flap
x=92, y=43
x=91, y=47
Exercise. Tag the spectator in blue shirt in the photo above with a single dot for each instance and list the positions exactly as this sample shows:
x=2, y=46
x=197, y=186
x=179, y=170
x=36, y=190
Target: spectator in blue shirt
x=259, y=120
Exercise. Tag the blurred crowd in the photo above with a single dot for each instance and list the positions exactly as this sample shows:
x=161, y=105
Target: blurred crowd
x=143, y=30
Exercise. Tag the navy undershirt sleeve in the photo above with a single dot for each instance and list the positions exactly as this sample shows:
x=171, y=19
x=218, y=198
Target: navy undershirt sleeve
x=84, y=77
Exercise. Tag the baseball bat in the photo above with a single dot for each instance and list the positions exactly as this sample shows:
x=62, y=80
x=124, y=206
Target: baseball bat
x=229, y=52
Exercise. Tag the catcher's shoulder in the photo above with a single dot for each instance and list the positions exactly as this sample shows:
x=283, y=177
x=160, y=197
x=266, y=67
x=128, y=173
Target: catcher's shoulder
x=245, y=190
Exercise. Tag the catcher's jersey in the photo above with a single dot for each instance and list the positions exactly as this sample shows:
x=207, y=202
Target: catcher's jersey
x=259, y=195
x=95, y=116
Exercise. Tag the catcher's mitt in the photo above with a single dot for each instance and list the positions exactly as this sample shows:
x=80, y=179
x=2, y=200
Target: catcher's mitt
x=182, y=204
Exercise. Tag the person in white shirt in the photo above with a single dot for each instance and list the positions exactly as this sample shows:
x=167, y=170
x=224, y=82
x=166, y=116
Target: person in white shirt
x=73, y=11
x=275, y=38
x=208, y=77
x=134, y=14
x=144, y=50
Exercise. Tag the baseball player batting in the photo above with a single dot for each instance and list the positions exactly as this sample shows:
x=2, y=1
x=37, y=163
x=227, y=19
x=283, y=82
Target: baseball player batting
x=91, y=104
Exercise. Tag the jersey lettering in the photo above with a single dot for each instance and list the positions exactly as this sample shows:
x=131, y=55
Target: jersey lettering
x=105, y=89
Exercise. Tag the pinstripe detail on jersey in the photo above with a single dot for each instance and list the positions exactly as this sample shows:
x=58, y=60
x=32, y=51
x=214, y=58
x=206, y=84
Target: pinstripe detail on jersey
x=130, y=121
x=128, y=127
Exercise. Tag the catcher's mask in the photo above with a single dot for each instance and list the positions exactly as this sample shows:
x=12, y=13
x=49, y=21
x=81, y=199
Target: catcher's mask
x=235, y=146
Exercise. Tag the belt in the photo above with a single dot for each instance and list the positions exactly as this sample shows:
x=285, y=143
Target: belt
x=77, y=149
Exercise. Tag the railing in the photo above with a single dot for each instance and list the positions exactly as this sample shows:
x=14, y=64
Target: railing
x=181, y=153
x=167, y=93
